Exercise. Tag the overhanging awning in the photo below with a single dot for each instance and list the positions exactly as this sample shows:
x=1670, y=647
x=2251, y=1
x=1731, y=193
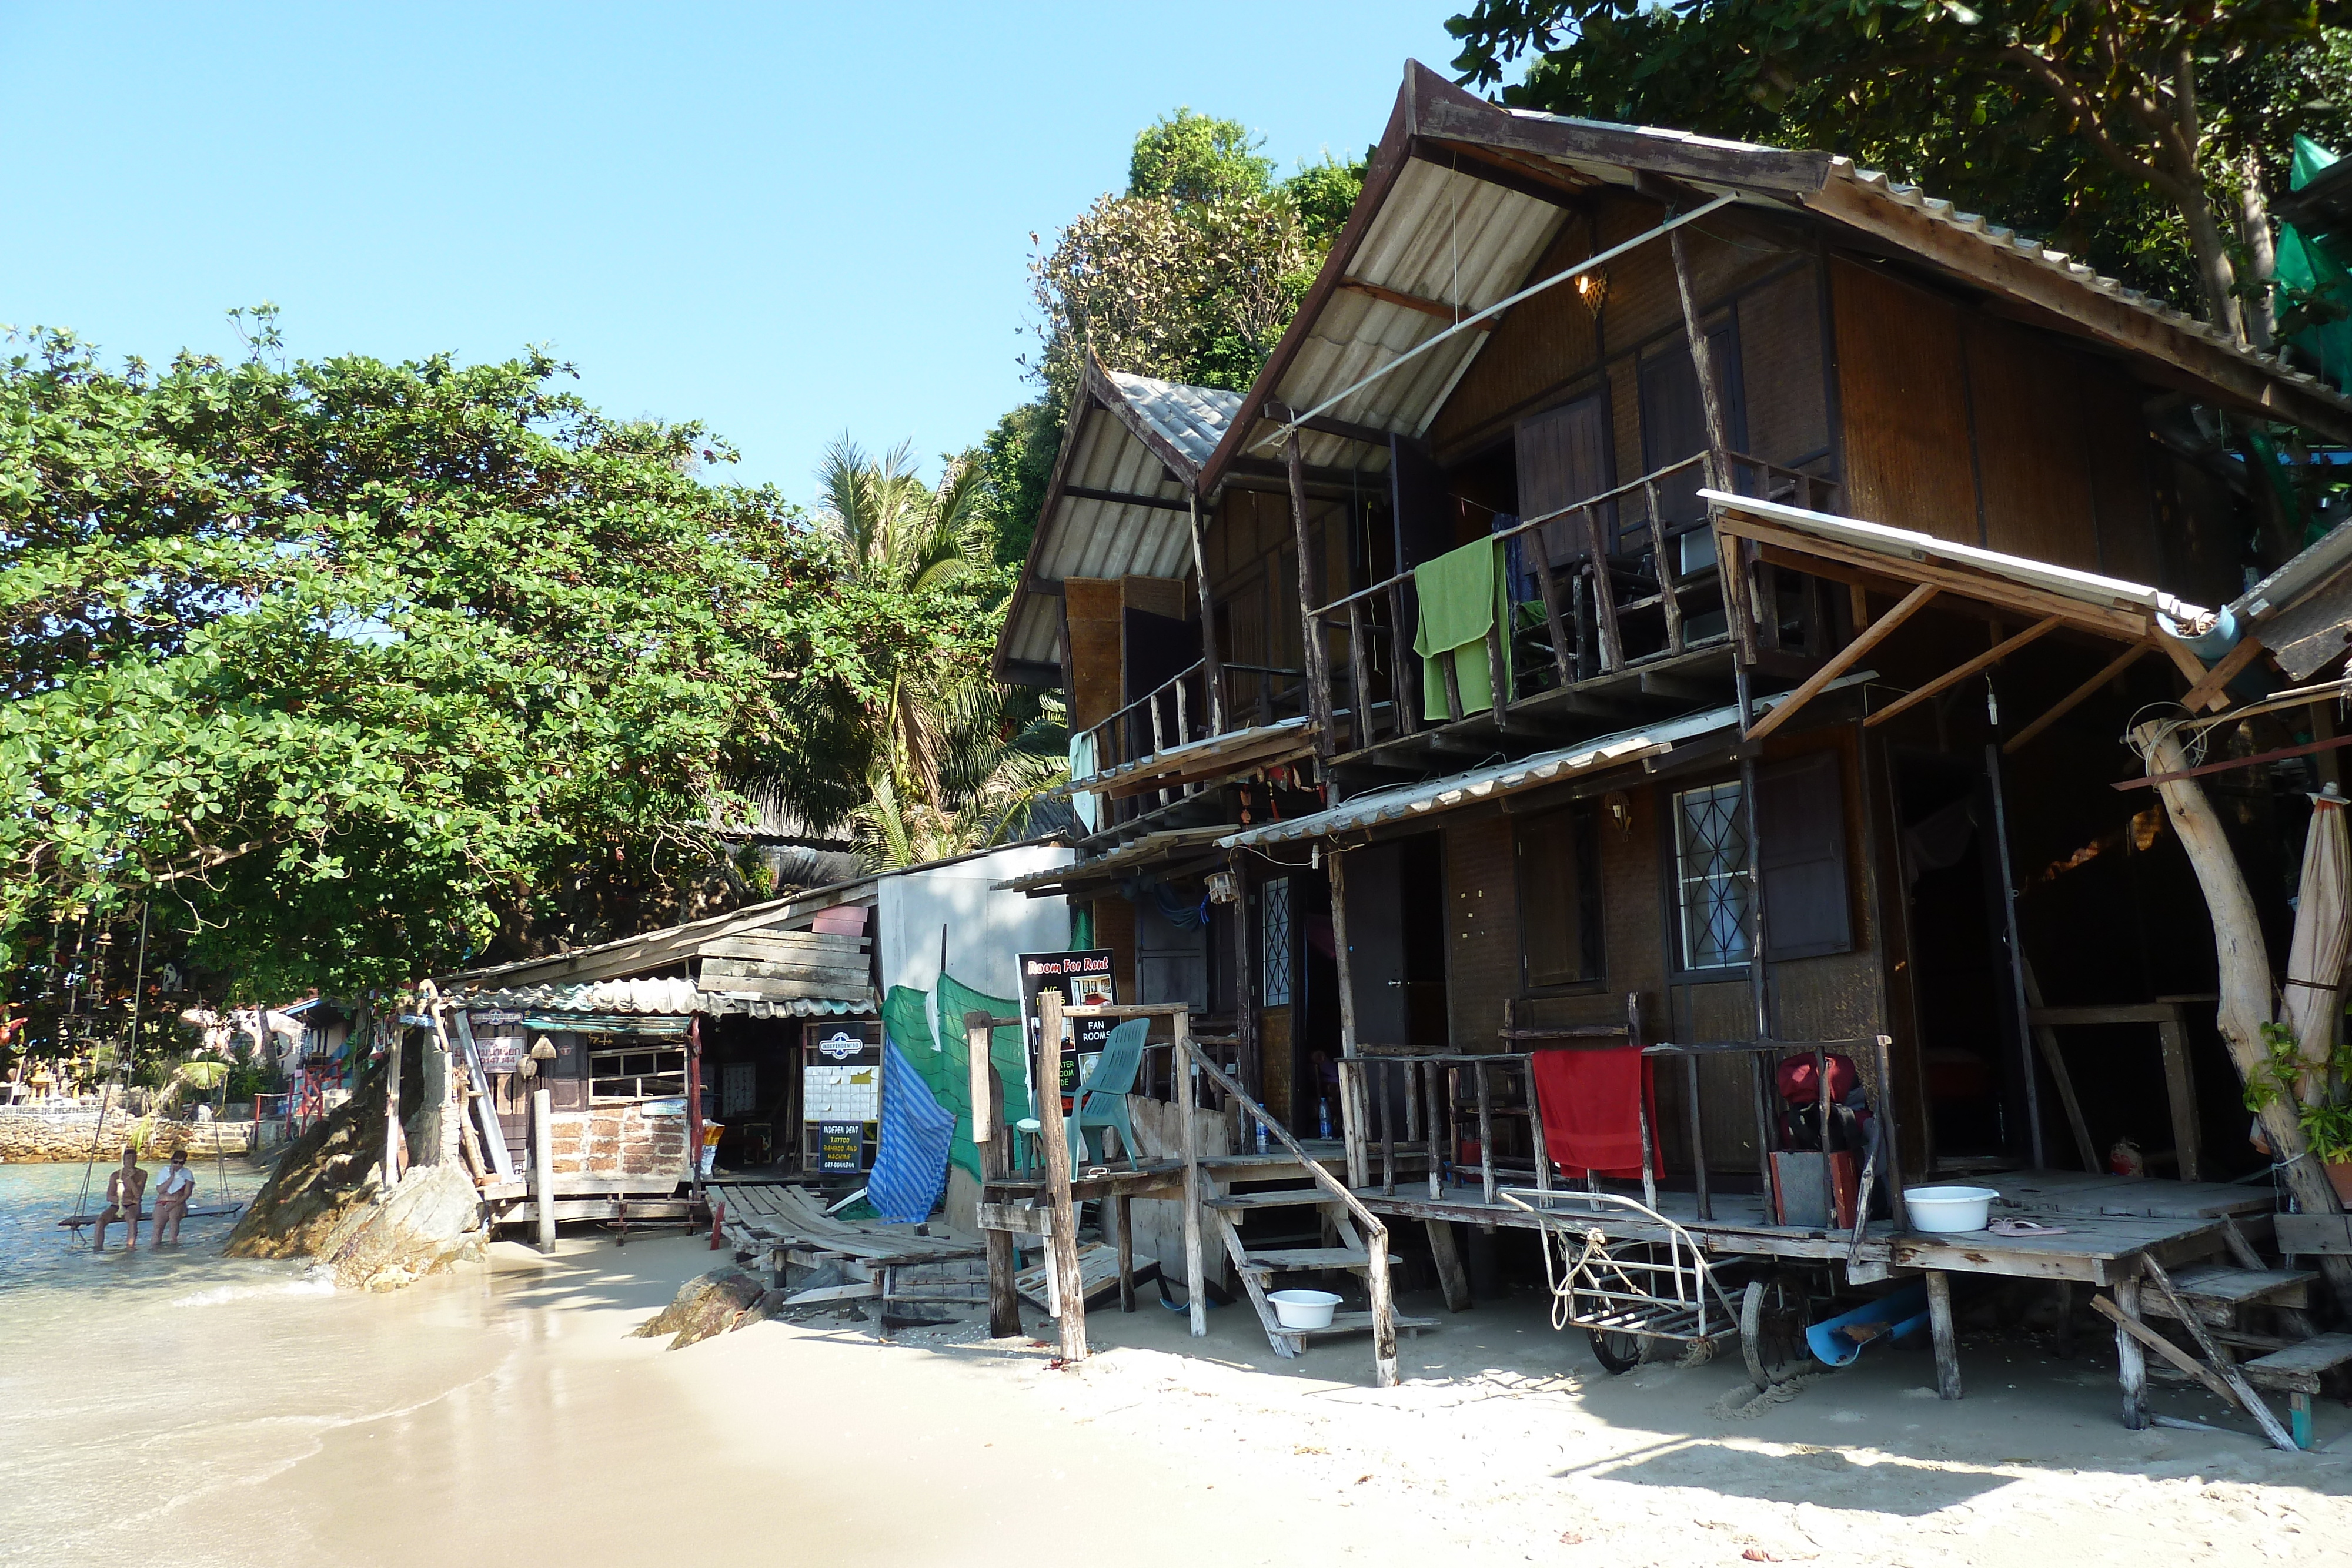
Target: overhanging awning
x=2106, y=605
x=1408, y=802
x=1260, y=745
x=1152, y=850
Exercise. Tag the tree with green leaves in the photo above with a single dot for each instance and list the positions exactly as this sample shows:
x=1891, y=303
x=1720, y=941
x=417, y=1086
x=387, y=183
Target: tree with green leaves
x=356, y=671
x=2142, y=135
x=956, y=763
x=1192, y=273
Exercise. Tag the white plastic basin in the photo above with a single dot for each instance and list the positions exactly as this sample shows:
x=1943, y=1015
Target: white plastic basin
x=1303, y=1309
x=1942, y=1210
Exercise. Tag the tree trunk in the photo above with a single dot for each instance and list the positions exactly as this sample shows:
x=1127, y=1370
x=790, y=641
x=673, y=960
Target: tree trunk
x=2246, y=975
x=2214, y=274
x=2254, y=233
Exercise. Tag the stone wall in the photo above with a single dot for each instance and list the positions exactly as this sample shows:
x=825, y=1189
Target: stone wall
x=614, y=1141
x=30, y=1136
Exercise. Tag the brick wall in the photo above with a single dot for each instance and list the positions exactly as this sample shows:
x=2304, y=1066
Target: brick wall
x=612, y=1141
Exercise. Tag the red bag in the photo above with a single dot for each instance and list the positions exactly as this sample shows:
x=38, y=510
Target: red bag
x=1800, y=1082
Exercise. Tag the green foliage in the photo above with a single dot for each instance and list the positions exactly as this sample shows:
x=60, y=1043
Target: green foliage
x=2063, y=120
x=358, y=670
x=1015, y=465
x=1193, y=274
x=2326, y=1120
x=1323, y=193
x=1189, y=157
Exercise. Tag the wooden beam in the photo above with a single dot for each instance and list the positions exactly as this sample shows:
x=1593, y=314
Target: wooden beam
x=1538, y=179
x=2209, y=694
x=1325, y=424
x=2230, y=764
x=1845, y=659
x=2077, y=697
x=1438, y=308
x=1955, y=675
x=1126, y=498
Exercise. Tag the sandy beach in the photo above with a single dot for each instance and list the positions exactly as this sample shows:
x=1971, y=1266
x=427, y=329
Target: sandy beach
x=189, y=1409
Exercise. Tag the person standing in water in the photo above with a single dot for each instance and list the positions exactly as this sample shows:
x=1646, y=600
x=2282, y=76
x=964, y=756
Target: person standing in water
x=172, y=1195
x=124, y=1189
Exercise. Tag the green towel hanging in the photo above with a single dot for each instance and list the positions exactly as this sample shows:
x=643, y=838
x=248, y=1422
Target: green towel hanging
x=1461, y=594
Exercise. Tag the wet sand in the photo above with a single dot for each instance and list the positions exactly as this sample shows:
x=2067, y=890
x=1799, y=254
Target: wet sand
x=242, y=1414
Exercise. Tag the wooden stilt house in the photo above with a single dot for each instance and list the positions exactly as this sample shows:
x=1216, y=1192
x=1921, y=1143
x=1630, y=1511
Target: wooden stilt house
x=1688, y=594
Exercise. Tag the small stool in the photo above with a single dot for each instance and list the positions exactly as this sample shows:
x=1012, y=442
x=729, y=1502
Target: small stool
x=1028, y=1154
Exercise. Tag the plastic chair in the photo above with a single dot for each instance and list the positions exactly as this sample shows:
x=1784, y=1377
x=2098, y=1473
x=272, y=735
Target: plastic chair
x=1102, y=1098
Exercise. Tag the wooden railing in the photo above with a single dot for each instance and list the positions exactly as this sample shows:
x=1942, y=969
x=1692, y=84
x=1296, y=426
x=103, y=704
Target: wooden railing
x=1583, y=631
x=1179, y=711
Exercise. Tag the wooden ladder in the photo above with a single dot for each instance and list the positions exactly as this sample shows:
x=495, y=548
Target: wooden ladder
x=1223, y=1210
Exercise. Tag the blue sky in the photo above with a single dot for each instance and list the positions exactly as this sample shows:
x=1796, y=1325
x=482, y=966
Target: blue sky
x=781, y=220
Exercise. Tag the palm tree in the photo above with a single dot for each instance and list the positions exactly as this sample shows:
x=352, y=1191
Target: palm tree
x=959, y=763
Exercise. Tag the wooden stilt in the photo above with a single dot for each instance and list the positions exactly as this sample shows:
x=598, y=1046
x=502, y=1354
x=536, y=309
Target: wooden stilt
x=1451, y=1278
x=2131, y=1361
x=542, y=1164
x=1195, y=1267
x=1352, y=1087
x=1947, y=1344
x=1063, y=1240
x=988, y=1113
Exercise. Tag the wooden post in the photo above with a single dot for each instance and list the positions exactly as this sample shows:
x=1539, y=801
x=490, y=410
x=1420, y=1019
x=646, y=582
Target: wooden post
x=2016, y=956
x=1351, y=1124
x=1213, y=669
x=1054, y=1136
x=1439, y=1125
x=694, y=1104
x=392, y=1138
x=1384, y=1351
x=542, y=1164
x=1947, y=1342
x=1451, y=1277
x=1126, y=1252
x=2131, y=1361
x=2181, y=1089
x=2245, y=972
x=1698, y=1140
x=1247, y=1065
x=1195, y=1270
x=988, y=1113
x=1317, y=663
x=1486, y=1135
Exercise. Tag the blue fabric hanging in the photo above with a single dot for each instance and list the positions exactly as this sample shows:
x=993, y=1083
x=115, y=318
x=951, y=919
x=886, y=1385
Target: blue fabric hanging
x=910, y=1168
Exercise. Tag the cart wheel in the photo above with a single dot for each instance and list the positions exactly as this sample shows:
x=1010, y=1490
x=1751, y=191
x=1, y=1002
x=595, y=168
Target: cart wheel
x=1772, y=1319
x=1615, y=1350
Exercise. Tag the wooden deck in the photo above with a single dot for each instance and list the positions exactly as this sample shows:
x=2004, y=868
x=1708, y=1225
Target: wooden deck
x=2102, y=1220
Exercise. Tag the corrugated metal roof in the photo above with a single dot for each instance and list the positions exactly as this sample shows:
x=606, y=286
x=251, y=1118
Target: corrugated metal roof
x=1442, y=235
x=1127, y=436
x=1902, y=544
x=1193, y=418
x=669, y=998
x=1407, y=800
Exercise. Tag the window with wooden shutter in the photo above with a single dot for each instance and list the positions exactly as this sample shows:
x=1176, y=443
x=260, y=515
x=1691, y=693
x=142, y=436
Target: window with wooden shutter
x=1563, y=457
x=1801, y=823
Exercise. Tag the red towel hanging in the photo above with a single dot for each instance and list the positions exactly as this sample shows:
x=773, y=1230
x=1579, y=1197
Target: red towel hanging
x=1586, y=1099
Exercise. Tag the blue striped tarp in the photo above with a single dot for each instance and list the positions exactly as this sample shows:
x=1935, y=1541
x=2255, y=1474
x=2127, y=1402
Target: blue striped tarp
x=910, y=1168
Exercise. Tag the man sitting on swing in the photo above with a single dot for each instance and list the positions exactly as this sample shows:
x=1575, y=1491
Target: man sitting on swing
x=124, y=1189
x=172, y=1195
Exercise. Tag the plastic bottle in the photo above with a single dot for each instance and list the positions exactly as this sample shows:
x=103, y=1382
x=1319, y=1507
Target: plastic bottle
x=1261, y=1135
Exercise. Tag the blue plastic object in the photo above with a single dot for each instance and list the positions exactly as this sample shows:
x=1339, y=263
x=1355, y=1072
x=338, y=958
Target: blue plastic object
x=1889, y=1317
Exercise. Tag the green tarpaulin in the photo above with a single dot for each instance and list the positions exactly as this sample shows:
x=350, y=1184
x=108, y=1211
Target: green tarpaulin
x=936, y=1050
x=1461, y=594
x=2318, y=266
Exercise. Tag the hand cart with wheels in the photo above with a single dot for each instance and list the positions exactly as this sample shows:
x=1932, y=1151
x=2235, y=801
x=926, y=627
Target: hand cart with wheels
x=1631, y=1292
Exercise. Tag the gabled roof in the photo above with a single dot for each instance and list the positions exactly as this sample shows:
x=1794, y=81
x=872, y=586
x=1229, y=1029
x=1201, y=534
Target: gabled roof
x=1463, y=197
x=1132, y=453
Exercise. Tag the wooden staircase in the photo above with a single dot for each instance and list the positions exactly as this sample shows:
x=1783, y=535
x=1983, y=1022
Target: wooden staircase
x=2211, y=1301
x=1222, y=1211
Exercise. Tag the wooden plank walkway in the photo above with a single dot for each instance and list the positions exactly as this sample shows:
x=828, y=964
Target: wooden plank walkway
x=763, y=1216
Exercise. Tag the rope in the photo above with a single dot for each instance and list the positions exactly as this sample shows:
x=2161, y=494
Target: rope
x=122, y=1062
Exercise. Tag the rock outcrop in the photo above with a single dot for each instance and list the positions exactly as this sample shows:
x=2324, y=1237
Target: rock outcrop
x=708, y=1304
x=327, y=1200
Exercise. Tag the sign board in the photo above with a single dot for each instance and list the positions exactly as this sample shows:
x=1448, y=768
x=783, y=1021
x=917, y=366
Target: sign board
x=1083, y=976
x=845, y=1048
x=841, y=1145
x=500, y=1051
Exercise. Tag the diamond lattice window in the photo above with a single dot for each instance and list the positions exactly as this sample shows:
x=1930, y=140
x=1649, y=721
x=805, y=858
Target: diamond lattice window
x=1712, y=873
x=1274, y=942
